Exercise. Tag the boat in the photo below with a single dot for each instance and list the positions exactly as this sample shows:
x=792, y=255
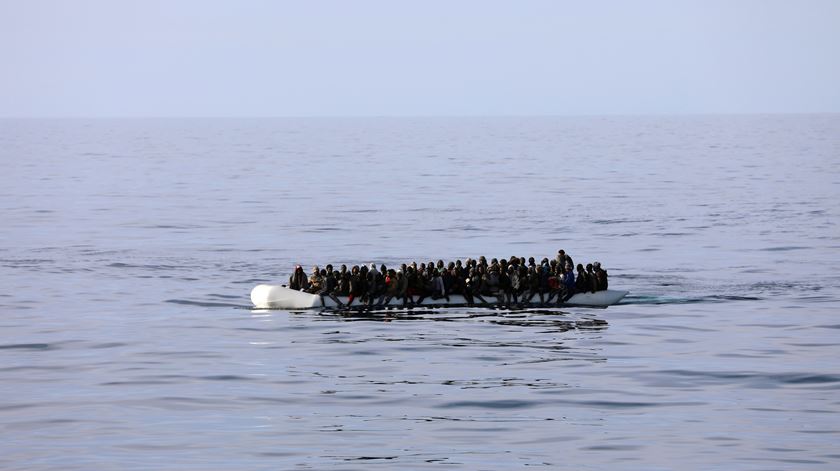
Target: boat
x=282, y=297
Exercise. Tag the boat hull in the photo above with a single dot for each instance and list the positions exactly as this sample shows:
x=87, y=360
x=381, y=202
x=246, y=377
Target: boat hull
x=281, y=297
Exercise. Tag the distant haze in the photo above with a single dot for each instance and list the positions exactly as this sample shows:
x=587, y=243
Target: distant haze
x=106, y=58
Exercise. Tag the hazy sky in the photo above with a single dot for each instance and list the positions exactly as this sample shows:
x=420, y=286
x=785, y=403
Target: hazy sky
x=390, y=57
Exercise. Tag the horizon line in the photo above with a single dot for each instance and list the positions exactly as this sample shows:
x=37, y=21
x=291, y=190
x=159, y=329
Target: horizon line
x=409, y=116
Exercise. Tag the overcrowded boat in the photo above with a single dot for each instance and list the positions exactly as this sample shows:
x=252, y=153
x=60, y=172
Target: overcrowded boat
x=512, y=282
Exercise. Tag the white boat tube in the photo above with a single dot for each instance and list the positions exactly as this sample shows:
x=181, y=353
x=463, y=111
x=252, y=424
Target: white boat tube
x=281, y=297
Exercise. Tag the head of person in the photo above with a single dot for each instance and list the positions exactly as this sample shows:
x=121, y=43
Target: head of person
x=315, y=270
x=343, y=268
x=588, y=267
x=597, y=265
x=355, y=269
x=323, y=272
x=580, y=267
x=329, y=268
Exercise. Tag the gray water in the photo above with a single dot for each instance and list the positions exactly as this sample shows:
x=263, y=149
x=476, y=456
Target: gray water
x=128, y=249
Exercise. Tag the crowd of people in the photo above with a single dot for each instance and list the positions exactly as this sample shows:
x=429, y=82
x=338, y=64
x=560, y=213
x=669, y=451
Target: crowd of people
x=510, y=281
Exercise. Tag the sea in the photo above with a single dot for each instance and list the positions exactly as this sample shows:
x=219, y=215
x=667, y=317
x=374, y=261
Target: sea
x=129, y=247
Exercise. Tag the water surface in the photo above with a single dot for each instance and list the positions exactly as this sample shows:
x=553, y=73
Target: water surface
x=129, y=248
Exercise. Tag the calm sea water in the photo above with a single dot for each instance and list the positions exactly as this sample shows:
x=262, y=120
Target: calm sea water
x=128, y=249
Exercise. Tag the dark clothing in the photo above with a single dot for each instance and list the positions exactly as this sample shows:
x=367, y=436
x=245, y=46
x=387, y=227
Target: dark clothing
x=601, y=279
x=582, y=283
x=298, y=280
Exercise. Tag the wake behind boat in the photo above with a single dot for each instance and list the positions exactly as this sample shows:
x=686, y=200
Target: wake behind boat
x=282, y=297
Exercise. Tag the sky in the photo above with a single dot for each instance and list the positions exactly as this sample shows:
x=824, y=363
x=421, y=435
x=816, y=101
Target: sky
x=169, y=58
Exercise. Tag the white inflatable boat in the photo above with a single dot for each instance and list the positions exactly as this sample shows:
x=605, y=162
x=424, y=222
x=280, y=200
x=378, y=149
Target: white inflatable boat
x=281, y=297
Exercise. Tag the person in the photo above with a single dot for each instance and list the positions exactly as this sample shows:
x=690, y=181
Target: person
x=391, y=290
x=438, y=288
x=533, y=284
x=491, y=282
x=343, y=282
x=582, y=283
x=555, y=286
x=601, y=276
x=505, y=285
x=298, y=279
x=564, y=259
x=459, y=284
x=515, y=282
x=328, y=288
x=569, y=282
x=356, y=285
x=402, y=285
x=361, y=283
x=592, y=278
x=448, y=280
x=420, y=284
x=473, y=286
x=373, y=281
x=315, y=281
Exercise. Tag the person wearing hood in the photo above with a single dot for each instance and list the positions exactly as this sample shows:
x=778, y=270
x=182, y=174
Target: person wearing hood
x=298, y=280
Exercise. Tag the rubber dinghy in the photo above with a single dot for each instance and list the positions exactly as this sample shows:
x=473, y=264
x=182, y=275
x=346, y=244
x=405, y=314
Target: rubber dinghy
x=281, y=297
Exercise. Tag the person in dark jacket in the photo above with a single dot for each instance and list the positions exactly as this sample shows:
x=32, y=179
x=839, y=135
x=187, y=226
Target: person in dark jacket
x=601, y=276
x=474, y=286
x=298, y=280
x=592, y=278
x=328, y=289
x=343, y=282
x=582, y=284
x=505, y=285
